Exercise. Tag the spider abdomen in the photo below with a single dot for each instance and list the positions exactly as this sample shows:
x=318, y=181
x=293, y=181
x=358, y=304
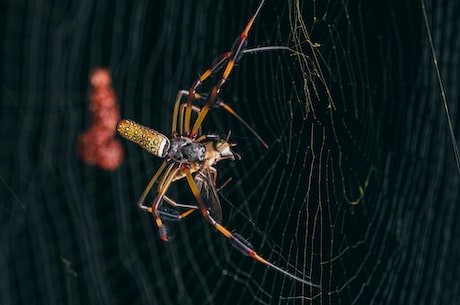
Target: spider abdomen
x=150, y=140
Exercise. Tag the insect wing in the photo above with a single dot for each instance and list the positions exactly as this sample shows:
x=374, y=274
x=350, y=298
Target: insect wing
x=208, y=192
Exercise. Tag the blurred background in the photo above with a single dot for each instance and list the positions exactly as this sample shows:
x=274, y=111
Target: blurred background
x=358, y=190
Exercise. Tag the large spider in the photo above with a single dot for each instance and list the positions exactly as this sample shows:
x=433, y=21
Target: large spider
x=192, y=156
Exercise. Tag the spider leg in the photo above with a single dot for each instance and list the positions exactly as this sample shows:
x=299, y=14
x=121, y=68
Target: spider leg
x=202, y=182
x=175, y=116
x=234, y=56
x=236, y=115
x=179, y=205
x=163, y=186
x=178, y=117
x=149, y=186
x=184, y=106
x=177, y=216
x=230, y=57
x=197, y=83
x=227, y=108
x=241, y=245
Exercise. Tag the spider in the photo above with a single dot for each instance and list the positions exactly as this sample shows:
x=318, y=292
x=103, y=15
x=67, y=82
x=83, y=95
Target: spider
x=193, y=156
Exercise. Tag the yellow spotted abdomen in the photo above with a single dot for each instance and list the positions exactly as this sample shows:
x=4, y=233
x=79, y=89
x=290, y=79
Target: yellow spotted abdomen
x=149, y=139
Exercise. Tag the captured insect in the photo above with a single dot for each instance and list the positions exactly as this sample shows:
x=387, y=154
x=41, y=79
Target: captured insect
x=193, y=156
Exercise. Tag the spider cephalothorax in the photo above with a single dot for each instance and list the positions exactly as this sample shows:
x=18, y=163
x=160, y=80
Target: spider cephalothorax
x=185, y=150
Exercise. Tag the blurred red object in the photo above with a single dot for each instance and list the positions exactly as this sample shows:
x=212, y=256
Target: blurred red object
x=98, y=145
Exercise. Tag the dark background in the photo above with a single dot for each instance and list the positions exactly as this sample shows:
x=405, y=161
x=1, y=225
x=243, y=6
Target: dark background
x=360, y=121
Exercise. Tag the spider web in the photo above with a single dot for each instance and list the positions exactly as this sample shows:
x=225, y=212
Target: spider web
x=358, y=190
